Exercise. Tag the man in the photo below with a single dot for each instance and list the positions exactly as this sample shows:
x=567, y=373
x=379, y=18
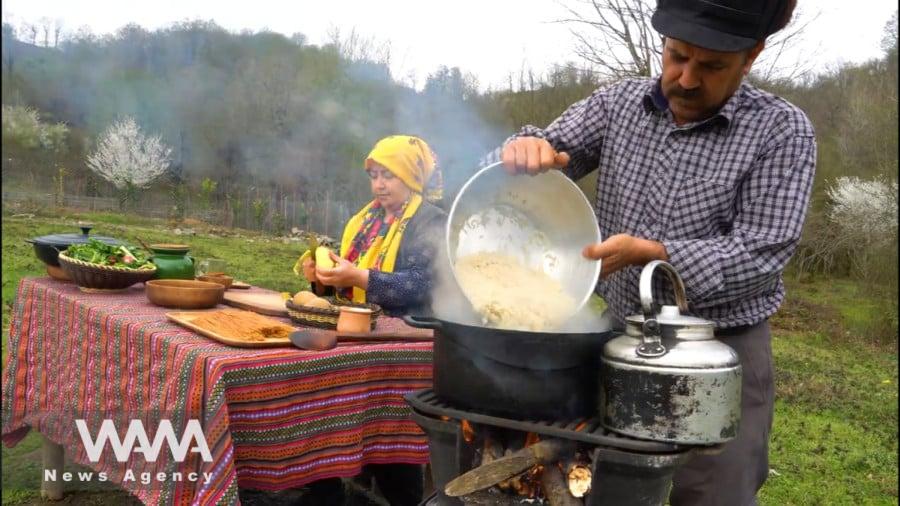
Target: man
x=710, y=174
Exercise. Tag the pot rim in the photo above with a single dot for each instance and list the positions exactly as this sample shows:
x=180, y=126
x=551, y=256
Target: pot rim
x=43, y=241
x=170, y=247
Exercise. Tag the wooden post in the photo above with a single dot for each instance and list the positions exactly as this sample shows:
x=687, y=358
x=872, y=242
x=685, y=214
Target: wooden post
x=54, y=458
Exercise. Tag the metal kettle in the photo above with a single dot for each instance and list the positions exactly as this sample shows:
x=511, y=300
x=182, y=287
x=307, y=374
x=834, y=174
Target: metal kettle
x=667, y=378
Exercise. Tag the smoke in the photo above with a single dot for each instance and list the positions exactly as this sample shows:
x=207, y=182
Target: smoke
x=253, y=109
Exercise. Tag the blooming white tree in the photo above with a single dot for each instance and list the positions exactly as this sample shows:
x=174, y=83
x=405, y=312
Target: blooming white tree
x=865, y=209
x=864, y=216
x=129, y=159
x=22, y=126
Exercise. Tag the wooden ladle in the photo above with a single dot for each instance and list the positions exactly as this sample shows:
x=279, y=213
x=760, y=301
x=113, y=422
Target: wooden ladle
x=313, y=340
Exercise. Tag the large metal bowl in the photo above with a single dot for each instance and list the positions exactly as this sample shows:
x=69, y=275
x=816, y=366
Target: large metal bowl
x=543, y=220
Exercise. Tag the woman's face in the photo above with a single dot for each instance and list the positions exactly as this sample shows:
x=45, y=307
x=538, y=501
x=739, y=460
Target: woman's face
x=387, y=189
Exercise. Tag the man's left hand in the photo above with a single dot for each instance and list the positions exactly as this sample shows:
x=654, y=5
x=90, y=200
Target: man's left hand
x=343, y=274
x=622, y=250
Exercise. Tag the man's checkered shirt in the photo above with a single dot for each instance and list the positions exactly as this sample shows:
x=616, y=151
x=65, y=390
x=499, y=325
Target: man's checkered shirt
x=727, y=196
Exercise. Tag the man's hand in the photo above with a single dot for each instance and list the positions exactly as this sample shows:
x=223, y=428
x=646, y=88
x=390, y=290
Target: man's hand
x=343, y=274
x=622, y=250
x=531, y=155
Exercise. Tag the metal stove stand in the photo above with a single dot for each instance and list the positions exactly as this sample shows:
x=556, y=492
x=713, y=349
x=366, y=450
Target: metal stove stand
x=626, y=471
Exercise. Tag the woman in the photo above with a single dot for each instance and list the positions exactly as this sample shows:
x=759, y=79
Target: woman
x=385, y=258
x=387, y=247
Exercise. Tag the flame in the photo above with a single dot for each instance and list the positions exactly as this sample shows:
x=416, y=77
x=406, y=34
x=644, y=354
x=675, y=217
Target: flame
x=445, y=418
x=468, y=431
x=531, y=438
x=580, y=427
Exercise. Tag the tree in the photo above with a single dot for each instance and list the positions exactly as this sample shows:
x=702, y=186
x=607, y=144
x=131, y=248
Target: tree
x=128, y=159
x=207, y=189
x=30, y=145
x=889, y=40
x=617, y=39
x=22, y=127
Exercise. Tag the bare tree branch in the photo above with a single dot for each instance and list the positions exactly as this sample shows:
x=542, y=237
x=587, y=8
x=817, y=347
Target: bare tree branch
x=617, y=39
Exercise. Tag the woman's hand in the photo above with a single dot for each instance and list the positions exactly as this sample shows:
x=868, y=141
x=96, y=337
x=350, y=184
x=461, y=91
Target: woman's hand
x=622, y=250
x=309, y=270
x=343, y=274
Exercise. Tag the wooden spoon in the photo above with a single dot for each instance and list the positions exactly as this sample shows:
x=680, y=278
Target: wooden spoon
x=321, y=341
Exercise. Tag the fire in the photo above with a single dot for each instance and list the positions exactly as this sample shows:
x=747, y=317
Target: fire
x=531, y=438
x=580, y=427
x=445, y=418
x=468, y=431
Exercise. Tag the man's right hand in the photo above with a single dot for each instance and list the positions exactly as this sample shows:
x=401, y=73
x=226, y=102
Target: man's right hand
x=531, y=155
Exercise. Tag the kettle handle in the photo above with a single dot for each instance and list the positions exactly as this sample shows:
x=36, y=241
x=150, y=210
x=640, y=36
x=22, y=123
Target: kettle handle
x=649, y=307
x=651, y=345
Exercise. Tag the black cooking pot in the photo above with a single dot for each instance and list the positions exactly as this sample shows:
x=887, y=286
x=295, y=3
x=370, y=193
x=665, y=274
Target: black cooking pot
x=518, y=374
x=47, y=247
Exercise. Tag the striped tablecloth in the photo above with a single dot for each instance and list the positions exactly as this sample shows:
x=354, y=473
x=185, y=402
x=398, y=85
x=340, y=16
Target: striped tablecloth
x=273, y=418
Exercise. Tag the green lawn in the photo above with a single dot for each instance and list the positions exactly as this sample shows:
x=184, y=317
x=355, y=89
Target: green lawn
x=835, y=434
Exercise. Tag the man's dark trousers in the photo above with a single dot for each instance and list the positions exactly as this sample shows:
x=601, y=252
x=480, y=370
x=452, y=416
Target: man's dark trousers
x=732, y=477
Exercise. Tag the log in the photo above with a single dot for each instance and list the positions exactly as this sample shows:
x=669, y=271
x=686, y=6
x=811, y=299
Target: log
x=482, y=477
x=578, y=477
x=492, y=451
x=555, y=488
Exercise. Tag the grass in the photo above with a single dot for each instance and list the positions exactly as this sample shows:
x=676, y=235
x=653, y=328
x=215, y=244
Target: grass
x=834, y=439
x=835, y=434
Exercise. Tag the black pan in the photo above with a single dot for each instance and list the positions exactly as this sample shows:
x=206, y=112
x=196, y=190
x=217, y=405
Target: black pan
x=47, y=247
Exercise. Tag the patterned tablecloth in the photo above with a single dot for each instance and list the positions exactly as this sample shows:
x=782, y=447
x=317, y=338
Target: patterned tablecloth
x=273, y=418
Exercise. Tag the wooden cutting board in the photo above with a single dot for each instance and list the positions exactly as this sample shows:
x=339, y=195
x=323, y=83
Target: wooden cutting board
x=263, y=302
x=185, y=319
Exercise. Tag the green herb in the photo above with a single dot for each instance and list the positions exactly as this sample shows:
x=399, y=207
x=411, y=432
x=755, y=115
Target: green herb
x=100, y=253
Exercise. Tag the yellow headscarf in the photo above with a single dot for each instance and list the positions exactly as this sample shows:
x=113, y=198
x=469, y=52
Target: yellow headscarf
x=412, y=161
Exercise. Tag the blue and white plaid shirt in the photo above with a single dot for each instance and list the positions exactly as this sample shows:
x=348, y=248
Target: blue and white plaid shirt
x=727, y=196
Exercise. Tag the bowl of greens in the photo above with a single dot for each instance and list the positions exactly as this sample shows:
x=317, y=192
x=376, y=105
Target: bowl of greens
x=99, y=266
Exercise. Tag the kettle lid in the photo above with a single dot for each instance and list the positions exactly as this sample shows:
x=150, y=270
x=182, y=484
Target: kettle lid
x=683, y=354
x=673, y=324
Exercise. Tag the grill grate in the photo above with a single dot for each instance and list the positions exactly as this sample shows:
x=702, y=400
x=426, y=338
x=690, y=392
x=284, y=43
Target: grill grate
x=426, y=402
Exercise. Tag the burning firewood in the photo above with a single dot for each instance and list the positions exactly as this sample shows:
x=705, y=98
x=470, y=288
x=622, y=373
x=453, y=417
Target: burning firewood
x=507, y=483
x=491, y=451
x=468, y=431
x=555, y=488
x=578, y=477
x=549, y=450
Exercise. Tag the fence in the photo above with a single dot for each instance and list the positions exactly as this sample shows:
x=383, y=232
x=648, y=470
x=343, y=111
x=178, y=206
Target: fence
x=267, y=213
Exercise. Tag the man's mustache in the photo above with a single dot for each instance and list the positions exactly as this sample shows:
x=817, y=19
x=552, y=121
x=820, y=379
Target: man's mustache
x=677, y=91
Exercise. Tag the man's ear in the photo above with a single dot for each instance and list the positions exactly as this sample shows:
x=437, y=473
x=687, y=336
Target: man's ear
x=752, y=53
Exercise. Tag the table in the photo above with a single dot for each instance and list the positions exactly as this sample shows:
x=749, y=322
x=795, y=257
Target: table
x=273, y=418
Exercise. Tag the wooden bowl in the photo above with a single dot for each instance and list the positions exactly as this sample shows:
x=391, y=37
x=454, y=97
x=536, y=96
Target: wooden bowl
x=221, y=279
x=184, y=293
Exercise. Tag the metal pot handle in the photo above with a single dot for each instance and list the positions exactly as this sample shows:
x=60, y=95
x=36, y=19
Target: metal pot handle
x=651, y=346
x=422, y=322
